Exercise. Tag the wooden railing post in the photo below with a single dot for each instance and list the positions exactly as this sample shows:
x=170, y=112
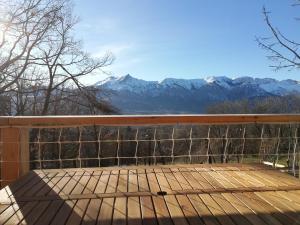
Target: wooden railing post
x=10, y=155
x=14, y=154
x=24, y=151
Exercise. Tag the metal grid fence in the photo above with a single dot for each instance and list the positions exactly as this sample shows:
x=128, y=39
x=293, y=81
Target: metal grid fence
x=89, y=146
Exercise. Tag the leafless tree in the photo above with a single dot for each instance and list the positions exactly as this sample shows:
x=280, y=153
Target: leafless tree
x=24, y=25
x=63, y=62
x=41, y=63
x=282, y=50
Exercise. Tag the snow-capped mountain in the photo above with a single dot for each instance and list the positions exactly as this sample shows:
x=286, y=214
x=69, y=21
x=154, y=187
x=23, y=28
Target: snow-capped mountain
x=172, y=95
x=129, y=83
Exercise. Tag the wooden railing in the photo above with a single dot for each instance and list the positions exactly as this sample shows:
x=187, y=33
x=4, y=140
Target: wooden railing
x=125, y=120
x=14, y=131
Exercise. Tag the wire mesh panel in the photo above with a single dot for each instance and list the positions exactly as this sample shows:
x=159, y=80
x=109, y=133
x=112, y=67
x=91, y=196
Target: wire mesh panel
x=90, y=146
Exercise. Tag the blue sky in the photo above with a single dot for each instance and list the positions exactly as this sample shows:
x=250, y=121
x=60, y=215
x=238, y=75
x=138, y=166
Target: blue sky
x=155, y=39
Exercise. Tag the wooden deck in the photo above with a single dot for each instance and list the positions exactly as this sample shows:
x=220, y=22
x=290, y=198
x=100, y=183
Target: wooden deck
x=177, y=194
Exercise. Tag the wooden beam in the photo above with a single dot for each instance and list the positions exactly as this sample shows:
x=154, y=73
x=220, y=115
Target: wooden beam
x=127, y=120
x=24, y=151
x=10, y=155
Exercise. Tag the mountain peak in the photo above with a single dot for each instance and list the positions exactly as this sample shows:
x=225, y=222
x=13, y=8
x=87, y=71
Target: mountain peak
x=211, y=79
x=126, y=83
x=126, y=77
x=220, y=80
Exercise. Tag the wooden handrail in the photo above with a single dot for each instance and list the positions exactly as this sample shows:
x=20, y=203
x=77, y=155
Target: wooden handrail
x=126, y=120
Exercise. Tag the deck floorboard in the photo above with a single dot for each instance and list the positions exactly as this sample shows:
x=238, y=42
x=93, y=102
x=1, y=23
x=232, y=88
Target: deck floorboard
x=175, y=194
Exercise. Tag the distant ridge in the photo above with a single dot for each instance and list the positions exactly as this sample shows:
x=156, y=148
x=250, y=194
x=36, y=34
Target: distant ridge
x=173, y=95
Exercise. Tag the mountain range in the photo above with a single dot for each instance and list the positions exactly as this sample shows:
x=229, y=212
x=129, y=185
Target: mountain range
x=136, y=96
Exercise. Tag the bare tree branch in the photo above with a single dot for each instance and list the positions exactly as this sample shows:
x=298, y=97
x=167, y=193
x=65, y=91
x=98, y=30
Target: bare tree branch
x=284, y=52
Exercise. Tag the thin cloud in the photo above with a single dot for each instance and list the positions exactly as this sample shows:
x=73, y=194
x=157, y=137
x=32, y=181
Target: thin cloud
x=115, y=49
x=101, y=26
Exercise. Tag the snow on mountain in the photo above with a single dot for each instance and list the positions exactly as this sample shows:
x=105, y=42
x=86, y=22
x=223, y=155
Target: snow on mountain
x=279, y=87
x=110, y=79
x=221, y=81
x=243, y=80
x=127, y=82
x=187, y=84
x=269, y=85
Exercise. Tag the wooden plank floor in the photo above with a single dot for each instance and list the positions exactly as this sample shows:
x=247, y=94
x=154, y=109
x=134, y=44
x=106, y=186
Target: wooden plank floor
x=177, y=194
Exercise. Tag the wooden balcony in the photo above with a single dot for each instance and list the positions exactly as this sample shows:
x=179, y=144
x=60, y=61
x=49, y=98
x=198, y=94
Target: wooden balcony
x=191, y=193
